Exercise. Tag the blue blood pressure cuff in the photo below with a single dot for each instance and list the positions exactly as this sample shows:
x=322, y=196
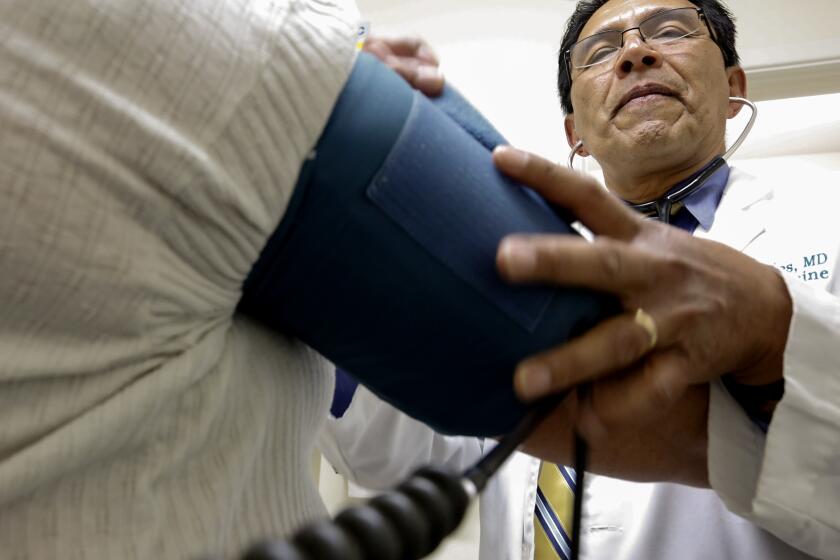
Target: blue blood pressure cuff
x=385, y=259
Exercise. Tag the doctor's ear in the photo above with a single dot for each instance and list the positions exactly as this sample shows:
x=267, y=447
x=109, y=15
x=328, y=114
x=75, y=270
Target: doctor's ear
x=572, y=138
x=737, y=88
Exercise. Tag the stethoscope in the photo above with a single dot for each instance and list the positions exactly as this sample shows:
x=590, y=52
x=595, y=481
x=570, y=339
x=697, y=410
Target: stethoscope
x=661, y=208
x=410, y=521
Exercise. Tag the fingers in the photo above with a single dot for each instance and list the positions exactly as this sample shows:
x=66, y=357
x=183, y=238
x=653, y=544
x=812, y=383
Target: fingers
x=583, y=359
x=427, y=79
x=604, y=265
x=636, y=398
x=553, y=438
x=596, y=208
x=413, y=47
x=412, y=59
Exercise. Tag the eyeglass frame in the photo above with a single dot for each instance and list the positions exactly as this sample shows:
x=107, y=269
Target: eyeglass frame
x=567, y=54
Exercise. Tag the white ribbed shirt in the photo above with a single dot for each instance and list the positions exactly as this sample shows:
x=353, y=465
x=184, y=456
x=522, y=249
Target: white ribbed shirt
x=147, y=151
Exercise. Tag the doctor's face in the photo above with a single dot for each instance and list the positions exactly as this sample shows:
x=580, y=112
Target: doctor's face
x=654, y=104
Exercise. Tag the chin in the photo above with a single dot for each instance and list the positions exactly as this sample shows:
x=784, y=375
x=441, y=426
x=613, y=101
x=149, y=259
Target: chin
x=652, y=133
x=649, y=128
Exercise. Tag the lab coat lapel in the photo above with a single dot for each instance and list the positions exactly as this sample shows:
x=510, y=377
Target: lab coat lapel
x=743, y=214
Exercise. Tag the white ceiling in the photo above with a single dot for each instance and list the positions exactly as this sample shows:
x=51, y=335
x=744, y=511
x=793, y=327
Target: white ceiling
x=789, y=48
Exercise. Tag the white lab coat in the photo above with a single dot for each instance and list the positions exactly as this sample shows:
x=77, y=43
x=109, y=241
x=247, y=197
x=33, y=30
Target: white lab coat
x=789, y=481
x=781, y=219
x=376, y=446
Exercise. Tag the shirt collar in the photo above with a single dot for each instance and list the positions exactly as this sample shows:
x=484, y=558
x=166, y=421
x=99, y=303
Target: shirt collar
x=703, y=203
x=696, y=208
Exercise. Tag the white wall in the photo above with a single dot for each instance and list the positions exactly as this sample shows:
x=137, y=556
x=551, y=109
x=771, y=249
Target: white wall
x=797, y=126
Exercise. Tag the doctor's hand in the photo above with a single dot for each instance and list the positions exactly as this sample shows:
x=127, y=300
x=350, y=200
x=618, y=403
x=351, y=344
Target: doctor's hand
x=708, y=310
x=410, y=57
x=673, y=449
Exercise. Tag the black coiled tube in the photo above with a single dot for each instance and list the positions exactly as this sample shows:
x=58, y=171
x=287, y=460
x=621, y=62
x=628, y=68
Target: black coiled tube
x=404, y=524
x=410, y=522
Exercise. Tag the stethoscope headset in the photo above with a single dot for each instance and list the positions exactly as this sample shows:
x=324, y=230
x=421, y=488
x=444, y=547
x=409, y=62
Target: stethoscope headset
x=661, y=208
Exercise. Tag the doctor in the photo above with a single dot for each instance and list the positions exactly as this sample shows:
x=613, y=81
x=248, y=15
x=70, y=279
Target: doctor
x=729, y=373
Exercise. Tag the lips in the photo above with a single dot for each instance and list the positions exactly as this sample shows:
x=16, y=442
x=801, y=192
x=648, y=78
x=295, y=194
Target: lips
x=642, y=91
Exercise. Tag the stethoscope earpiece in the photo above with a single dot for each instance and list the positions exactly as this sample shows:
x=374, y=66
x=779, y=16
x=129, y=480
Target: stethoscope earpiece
x=574, y=152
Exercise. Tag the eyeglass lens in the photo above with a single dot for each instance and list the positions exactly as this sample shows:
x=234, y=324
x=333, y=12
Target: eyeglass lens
x=658, y=30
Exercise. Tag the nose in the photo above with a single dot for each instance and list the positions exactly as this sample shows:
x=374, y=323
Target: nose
x=636, y=54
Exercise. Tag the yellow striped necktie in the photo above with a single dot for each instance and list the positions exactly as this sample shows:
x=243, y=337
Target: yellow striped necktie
x=553, y=512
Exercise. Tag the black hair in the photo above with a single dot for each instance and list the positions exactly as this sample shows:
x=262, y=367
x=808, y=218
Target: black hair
x=718, y=15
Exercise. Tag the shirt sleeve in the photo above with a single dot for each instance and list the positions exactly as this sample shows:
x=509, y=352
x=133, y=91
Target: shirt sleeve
x=788, y=482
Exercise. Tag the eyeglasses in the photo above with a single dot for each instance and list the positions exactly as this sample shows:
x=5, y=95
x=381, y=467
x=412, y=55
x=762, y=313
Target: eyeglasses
x=671, y=27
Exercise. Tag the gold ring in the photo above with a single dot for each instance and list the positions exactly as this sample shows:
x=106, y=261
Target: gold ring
x=646, y=322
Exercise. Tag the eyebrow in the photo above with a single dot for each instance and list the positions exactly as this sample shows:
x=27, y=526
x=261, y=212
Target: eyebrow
x=616, y=27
